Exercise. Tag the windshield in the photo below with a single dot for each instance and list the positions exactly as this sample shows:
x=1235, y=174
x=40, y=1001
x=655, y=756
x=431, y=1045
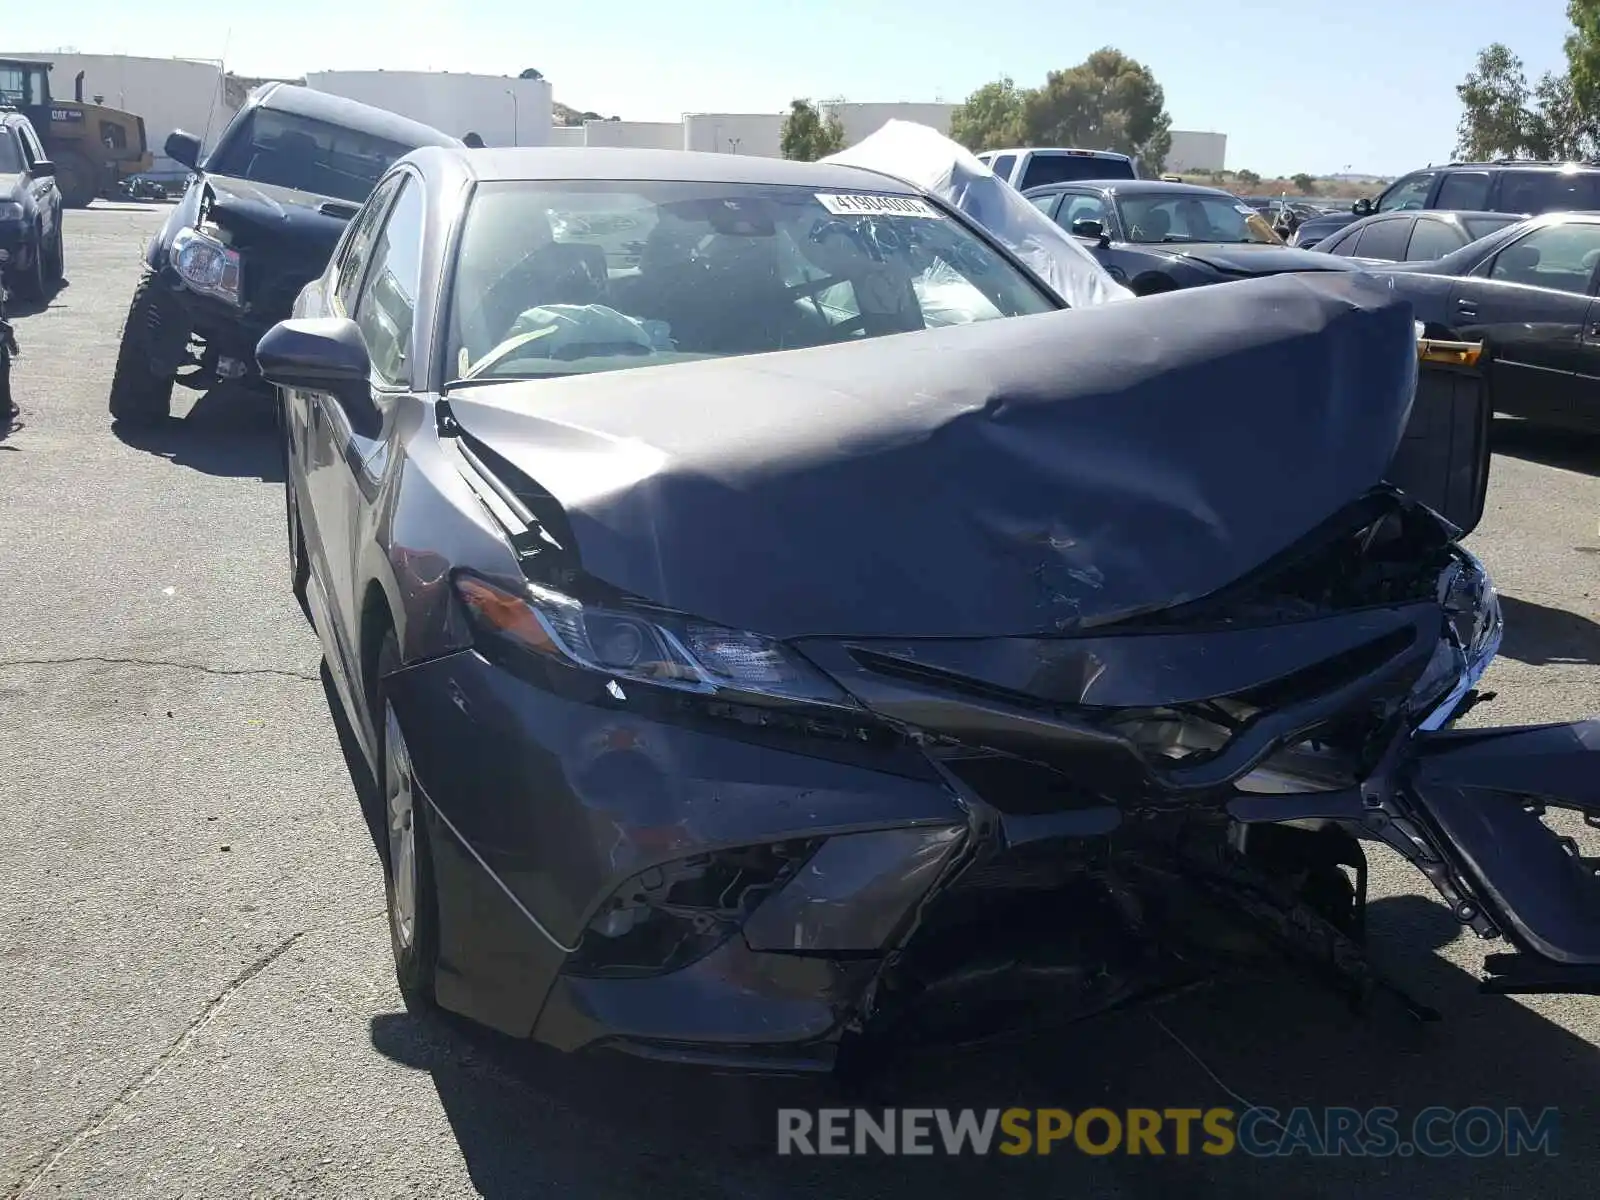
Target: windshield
x=10, y=155
x=278, y=148
x=1192, y=217
x=561, y=279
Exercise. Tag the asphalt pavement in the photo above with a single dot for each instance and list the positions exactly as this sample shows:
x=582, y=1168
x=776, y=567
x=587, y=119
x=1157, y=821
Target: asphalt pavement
x=195, y=988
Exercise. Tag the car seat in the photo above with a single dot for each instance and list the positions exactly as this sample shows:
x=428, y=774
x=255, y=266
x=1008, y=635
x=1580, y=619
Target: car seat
x=1153, y=226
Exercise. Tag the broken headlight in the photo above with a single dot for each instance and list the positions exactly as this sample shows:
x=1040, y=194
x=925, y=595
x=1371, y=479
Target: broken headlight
x=669, y=916
x=647, y=646
x=1473, y=626
x=206, y=265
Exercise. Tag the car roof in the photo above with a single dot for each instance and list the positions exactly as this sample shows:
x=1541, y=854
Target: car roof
x=1076, y=153
x=687, y=166
x=300, y=101
x=1131, y=187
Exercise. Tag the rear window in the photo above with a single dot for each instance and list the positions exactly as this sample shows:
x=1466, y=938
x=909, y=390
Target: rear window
x=284, y=150
x=1068, y=168
x=1480, y=227
x=1431, y=240
x=1463, y=189
x=1385, y=240
x=1538, y=192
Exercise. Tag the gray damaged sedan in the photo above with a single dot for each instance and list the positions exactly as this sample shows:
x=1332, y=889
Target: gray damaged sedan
x=784, y=635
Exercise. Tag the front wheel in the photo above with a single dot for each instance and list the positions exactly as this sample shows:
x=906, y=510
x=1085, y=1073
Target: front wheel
x=409, y=890
x=34, y=283
x=77, y=179
x=138, y=395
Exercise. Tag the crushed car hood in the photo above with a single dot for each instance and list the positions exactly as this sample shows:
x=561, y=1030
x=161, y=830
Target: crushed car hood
x=1254, y=259
x=1022, y=476
x=255, y=210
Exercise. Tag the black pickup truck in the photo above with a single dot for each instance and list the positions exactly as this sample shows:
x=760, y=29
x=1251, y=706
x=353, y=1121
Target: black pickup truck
x=258, y=221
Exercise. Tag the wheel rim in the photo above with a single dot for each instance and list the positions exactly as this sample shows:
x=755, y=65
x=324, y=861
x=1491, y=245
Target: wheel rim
x=401, y=808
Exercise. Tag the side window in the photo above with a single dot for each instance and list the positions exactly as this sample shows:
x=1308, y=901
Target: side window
x=1433, y=239
x=1078, y=207
x=388, y=300
x=1558, y=256
x=1045, y=202
x=1538, y=192
x=1386, y=239
x=357, y=247
x=1342, y=243
x=13, y=90
x=1410, y=192
x=31, y=149
x=1467, y=190
x=1002, y=165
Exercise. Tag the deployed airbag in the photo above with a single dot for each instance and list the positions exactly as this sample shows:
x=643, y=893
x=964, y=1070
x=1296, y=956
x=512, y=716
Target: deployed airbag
x=929, y=160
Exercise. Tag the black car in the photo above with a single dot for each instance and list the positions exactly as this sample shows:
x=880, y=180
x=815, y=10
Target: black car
x=1156, y=237
x=1412, y=236
x=30, y=210
x=1528, y=293
x=755, y=675
x=256, y=224
x=1521, y=187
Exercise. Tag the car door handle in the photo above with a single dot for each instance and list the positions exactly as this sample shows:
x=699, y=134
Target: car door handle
x=1467, y=308
x=1592, y=332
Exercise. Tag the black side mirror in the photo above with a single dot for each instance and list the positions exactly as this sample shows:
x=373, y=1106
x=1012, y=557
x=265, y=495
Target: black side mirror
x=183, y=148
x=323, y=354
x=1091, y=229
x=1362, y=207
x=44, y=169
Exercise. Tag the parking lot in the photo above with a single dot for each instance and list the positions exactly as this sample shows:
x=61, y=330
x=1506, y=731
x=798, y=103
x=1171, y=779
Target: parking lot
x=195, y=988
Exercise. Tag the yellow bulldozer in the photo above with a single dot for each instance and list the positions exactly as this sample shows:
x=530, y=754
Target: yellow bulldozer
x=93, y=147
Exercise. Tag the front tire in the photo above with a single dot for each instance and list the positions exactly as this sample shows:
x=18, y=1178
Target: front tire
x=58, y=256
x=409, y=891
x=77, y=179
x=34, y=283
x=138, y=395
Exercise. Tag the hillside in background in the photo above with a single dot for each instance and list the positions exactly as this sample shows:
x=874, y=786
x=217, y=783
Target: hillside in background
x=1316, y=187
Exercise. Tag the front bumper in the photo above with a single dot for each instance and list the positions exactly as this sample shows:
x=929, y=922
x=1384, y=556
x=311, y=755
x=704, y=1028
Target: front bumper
x=1007, y=828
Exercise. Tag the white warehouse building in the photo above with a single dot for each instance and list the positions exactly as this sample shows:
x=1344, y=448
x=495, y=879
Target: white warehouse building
x=502, y=110
x=1193, y=151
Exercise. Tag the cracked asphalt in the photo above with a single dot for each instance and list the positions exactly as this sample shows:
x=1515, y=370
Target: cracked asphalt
x=195, y=991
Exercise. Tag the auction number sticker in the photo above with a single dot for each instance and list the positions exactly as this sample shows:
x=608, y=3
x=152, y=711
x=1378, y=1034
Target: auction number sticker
x=876, y=206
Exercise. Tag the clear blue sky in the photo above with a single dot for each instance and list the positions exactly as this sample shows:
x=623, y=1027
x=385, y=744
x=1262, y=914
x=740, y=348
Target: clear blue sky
x=1296, y=86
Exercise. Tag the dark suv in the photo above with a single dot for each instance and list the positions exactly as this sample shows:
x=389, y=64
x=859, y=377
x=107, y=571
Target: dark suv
x=1511, y=185
x=30, y=209
x=258, y=221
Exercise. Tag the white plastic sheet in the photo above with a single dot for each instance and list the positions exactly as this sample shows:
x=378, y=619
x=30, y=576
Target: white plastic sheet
x=929, y=160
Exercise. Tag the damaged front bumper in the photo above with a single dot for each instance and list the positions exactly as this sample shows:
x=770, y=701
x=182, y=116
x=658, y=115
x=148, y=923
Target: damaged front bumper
x=1006, y=831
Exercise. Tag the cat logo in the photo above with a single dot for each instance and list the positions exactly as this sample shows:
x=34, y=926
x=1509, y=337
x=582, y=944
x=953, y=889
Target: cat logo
x=66, y=114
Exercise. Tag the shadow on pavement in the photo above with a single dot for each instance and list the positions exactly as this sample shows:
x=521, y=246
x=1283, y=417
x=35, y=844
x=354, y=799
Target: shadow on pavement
x=231, y=430
x=530, y=1120
x=1563, y=448
x=1536, y=634
x=16, y=306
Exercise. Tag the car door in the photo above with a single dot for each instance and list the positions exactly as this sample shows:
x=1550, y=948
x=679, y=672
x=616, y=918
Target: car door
x=341, y=480
x=1530, y=303
x=308, y=447
x=41, y=187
